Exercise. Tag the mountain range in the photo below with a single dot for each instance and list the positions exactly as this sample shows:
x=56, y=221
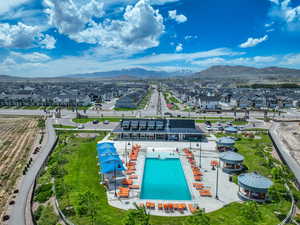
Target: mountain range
x=213, y=72
x=247, y=73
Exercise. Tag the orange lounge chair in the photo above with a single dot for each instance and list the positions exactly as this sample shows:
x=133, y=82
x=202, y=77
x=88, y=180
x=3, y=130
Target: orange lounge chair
x=197, y=178
x=192, y=208
x=131, y=164
x=123, y=195
x=123, y=189
x=133, y=176
x=129, y=172
x=131, y=167
x=160, y=206
x=170, y=206
x=205, y=193
x=127, y=182
x=148, y=205
x=180, y=207
x=176, y=206
x=152, y=204
x=134, y=186
x=166, y=206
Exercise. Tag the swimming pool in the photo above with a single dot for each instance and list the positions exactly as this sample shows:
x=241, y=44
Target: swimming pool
x=164, y=179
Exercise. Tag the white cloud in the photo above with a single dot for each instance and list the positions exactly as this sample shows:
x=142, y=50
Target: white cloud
x=179, y=47
x=22, y=36
x=48, y=42
x=71, y=65
x=7, y=5
x=30, y=57
x=189, y=37
x=250, y=61
x=179, y=18
x=140, y=29
x=251, y=42
x=275, y=1
x=284, y=11
x=291, y=59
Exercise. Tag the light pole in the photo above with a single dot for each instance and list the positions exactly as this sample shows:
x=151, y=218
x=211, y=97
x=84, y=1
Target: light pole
x=217, y=183
x=199, y=154
x=115, y=175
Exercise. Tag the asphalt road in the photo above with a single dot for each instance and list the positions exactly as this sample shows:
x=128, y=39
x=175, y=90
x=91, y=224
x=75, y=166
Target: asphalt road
x=18, y=215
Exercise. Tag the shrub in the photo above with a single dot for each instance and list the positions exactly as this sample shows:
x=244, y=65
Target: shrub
x=43, y=196
x=37, y=213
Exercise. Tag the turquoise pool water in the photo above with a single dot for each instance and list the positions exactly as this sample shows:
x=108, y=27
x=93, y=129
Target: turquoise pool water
x=164, y=179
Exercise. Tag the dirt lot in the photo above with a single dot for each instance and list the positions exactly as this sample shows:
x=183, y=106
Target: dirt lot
x=17, y=138
x=290, y=136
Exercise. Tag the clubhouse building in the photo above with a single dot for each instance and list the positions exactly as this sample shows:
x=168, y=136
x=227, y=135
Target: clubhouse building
x=158, y=130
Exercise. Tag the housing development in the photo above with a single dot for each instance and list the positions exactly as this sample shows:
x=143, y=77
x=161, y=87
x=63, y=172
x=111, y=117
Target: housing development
x=149, y=112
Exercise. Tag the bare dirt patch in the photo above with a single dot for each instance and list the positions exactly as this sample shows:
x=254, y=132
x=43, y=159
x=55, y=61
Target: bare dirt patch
x=17, y=136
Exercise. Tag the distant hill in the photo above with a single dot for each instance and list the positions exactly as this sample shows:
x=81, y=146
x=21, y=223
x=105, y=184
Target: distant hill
x=134, y=73
x=246, y=72
x=4, y=78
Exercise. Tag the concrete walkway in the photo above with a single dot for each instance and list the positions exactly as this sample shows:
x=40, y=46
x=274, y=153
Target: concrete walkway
x=20, y=214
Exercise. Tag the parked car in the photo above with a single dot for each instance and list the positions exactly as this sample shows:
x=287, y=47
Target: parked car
x=106, y=122
x=95, y=121
x=80, y=126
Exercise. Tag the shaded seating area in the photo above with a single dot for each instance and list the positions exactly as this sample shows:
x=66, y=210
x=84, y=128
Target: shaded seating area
x=231, y=130
x=108, y=159
x=232, y=162
x=225, y=144
x=253, y=186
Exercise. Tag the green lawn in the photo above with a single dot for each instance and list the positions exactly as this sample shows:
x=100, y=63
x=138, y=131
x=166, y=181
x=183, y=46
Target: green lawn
x=63, y=126
x=81, y=174
x=31, y=107
x=86, y=120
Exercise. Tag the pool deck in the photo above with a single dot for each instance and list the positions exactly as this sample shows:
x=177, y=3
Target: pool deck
x=227, y=191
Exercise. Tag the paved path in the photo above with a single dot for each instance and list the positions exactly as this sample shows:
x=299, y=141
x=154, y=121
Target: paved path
x=284, y=152
x=18, y=215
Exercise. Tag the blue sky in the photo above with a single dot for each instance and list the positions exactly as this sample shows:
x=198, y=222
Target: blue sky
x=58, y=37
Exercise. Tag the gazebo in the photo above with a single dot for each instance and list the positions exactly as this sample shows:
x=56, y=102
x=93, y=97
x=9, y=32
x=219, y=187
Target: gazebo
x=253, y=186
x=225, y=143
x=232, y=161
x=231, y=130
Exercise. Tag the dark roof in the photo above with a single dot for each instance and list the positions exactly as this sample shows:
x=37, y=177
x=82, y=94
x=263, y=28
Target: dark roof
x=159, y=126
x=182, y=124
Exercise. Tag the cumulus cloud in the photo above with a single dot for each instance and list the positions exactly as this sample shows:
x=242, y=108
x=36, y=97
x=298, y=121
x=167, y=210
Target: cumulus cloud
x=48, y=42
x=140, y=29
x=251, y=42
x=22, y=36
x=179, y=47
x=179, y=18
x=7, y=5
x=283, y=10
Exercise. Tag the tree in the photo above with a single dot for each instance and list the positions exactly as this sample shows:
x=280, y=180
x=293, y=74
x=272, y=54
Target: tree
x=199, y=218
x=137, y=216
x=87, y=205
x=250, y=212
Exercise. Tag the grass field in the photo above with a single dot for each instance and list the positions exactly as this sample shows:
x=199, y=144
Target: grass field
x=86, y=120
x=63, y=126
x=81, y=175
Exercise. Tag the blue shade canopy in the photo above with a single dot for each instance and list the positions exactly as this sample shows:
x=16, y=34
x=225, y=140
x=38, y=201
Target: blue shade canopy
x=255, y=182
x=231, y=129
x=226, y=141
x=231, y=157
x=108, y=157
